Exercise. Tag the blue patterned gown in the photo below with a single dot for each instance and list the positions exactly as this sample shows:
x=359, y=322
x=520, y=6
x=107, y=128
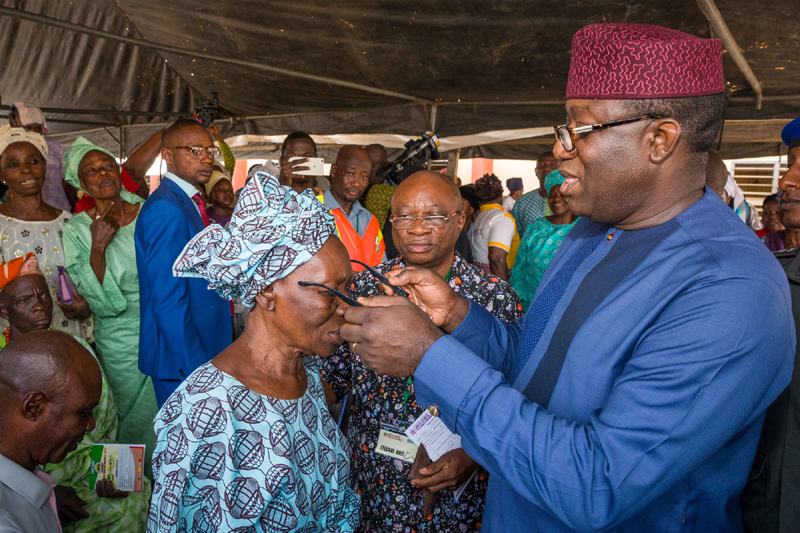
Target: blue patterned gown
x=230, y=459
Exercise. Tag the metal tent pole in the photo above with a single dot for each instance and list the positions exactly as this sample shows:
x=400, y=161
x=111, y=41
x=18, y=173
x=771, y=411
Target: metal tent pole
x=709, y=9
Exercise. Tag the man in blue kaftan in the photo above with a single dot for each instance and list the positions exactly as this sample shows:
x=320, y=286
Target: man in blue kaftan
x=631, y=396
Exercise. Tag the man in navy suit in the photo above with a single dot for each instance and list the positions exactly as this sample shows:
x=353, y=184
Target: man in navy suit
x=183, y=324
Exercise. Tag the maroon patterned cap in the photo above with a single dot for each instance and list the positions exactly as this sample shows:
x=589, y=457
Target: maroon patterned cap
x=632, y=61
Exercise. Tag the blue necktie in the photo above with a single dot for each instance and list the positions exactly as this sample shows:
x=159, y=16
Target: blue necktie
x=539, y=313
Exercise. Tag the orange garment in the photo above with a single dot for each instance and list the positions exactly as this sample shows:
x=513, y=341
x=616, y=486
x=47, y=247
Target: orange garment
x=368, y=249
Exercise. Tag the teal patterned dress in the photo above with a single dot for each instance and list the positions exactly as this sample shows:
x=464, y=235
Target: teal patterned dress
x=230, y=459
x=537, y=248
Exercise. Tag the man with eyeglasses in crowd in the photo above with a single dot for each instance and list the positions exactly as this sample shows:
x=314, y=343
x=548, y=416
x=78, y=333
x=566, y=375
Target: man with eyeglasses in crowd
x=183, y=324
x=632, y=394
x=426, y=223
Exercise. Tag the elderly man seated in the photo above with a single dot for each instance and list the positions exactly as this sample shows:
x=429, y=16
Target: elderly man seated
x=49, y=386
x=427, y=218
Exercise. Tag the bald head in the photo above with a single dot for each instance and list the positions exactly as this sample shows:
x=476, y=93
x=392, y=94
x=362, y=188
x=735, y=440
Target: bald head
x=428, y=244
x=352, y=152
x=438, y=187
x=46, y=361
x=716, y=173
x=49, y=384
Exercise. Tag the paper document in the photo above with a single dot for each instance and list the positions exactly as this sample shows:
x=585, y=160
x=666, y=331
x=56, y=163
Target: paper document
x=122, y=464
x=430, y=431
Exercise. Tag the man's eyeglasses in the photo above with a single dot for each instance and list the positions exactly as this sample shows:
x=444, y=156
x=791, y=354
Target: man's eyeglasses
x=343, y=297
x=197, y=151
x=567, y=135
x=436, y=221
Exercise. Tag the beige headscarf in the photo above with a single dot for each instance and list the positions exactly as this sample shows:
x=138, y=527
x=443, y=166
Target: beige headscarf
x=9, y=135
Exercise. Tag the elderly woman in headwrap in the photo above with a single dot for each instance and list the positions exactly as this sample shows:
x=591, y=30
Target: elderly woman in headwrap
x=29, y=225
x=246, y=442
x=541, y=241
x=493, y=236
x=101, y=259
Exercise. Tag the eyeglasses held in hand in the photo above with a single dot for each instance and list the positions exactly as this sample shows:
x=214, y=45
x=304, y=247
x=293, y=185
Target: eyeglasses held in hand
x=343, y=297
x=399, y=291
x=436, y=221
x=197, y=151
x=567, y=135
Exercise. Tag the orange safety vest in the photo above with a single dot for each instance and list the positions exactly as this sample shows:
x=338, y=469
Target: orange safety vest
x=368, y=249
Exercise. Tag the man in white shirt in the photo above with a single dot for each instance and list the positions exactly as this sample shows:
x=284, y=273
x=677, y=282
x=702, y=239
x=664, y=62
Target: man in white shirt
x=49, y=385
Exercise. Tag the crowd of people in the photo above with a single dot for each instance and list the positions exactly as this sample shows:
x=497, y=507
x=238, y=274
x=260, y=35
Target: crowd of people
x=613, y=350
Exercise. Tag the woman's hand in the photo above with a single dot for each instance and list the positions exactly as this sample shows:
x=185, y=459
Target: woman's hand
x=69, y=506
x=104, y=228
x=78, y=309
x=433, y=295
x=105, y=489
x=449, y=472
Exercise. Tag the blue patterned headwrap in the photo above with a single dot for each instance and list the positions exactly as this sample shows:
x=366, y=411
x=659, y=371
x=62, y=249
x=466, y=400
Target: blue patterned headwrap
x=553, y=179
x=273, y=231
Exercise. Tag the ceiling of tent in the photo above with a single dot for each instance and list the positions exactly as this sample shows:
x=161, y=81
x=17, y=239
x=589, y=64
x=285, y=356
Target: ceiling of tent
x=486, y=64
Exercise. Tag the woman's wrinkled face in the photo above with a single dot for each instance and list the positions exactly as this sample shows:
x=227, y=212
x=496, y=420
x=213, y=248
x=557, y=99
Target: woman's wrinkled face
x=308, y=315
x=22, y=168
x=99, y=175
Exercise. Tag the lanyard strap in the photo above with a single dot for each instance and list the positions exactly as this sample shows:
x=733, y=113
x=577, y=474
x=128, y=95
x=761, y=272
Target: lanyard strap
x=406, y=394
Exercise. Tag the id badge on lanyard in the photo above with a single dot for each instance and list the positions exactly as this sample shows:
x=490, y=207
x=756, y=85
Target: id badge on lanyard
x=393, y=443
x=392, y=440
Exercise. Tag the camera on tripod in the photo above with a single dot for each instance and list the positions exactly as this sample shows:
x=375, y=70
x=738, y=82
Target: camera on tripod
x=415, y=157
x=205, y=112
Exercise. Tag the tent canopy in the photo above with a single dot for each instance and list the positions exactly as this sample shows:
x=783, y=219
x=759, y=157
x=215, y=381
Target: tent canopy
x=362, y=67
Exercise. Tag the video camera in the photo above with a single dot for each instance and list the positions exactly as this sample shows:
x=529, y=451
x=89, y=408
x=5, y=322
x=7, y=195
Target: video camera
x=415, y=157
x=207, y=110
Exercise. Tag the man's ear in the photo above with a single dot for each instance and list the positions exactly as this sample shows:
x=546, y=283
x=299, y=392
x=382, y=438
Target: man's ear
x=664, y=135
x=333, y=169
x=462, y=219
x=266, y=298
x=166, y=155
x=33, y=405
x=3, y=310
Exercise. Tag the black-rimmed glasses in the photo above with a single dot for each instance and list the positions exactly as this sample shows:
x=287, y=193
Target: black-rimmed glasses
x=197, y=151
x=343, y=297
x=399, y=291
x=435, y=221
x=566, y=135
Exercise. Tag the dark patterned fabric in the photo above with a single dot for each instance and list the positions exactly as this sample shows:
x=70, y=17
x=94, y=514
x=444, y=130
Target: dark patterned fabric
x=625, y=61
x=389, y=502
x=230, y=459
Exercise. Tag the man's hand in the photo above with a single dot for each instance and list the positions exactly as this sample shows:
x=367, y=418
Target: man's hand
x=69, y=506
x=288, y=170
x=433, y=295
x=449, y=472
x=78, y=309
x=105, y=489
x=390, y=334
